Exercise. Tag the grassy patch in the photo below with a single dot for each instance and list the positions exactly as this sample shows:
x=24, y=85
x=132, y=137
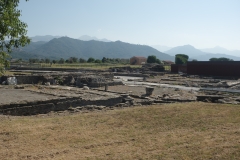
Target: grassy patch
x=88, y=65
x=174, y=131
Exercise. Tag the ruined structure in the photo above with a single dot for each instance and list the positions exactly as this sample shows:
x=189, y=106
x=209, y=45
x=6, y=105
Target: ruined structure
x=99, y=90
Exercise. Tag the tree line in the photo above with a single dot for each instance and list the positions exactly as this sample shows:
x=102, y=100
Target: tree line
x=80, y=60
x=182, y=59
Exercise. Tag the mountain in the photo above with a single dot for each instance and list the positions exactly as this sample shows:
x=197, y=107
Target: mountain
x=89, y=38
x=218, y=49
x=207, y=56
x=65, y=47
x=25, y=55
x=161, y=48
x=43, y=38
x=186, y=49
x=32, y=46
x=197, y=54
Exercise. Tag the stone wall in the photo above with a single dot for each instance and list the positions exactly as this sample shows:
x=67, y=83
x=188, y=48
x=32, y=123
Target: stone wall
x=23, y=79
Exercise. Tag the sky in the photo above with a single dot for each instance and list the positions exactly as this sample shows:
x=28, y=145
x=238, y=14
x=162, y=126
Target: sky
x=201, y=23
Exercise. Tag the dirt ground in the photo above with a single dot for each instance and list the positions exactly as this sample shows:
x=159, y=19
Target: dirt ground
x=169, y=131
x=8, y=96
x=158, y=91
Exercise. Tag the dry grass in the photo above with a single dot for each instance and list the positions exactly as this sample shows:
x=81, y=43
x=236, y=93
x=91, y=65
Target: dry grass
x=97, y=66
x=174, y=131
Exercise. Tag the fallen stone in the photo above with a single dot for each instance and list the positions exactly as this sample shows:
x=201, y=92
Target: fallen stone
x=18, y=87
x=85, y=88
x=12, y=81
x=79, y=108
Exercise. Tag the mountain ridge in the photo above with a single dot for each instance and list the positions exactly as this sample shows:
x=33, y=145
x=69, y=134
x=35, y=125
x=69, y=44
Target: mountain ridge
x=89, y=38
x=197, y=54
x=45, y=38
x=65, y=47
x=185, y=49
x=221, y=50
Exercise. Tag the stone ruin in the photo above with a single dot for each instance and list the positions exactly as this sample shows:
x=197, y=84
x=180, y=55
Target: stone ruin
x=153, y=67
x=80, y=90
x=61, y=91
x=68, y=79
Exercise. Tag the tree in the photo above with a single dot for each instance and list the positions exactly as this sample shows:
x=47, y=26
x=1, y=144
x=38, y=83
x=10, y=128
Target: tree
x=104, y=60
x=73, y=59
x=41, y=61
x=47, y=60
x=54, y=61
x=81, y=60
x=98, y=61
x=12, y=30
x=90, y=60
x=181, y=58
x=158, y=61
x=61, y=61
x=153, y=59
x=220, y=59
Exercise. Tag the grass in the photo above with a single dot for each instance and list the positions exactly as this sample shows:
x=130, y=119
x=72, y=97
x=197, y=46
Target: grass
x=10, y=73
x=89, y=65
x=167, y=67
x=100, y=66
x=173, y=131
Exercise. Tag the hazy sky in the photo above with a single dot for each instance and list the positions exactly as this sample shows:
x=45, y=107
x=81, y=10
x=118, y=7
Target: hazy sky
x=201, y=23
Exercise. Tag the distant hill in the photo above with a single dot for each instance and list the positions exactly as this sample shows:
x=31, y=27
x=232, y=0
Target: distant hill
x=26, y=52
x=66, y=47
x=207, y=56
x=32, y=46
x=43, y=38
x=221, y=50
x=186, y=49
x=161, y=48
x=197, y=54
x=25, y=55
x=89, y=38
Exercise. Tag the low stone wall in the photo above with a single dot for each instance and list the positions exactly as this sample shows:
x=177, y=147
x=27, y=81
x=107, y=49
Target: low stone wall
x=29, y=79
x=43, y=107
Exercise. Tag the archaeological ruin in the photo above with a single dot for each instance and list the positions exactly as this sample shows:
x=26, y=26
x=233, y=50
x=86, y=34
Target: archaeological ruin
x=31, y=92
